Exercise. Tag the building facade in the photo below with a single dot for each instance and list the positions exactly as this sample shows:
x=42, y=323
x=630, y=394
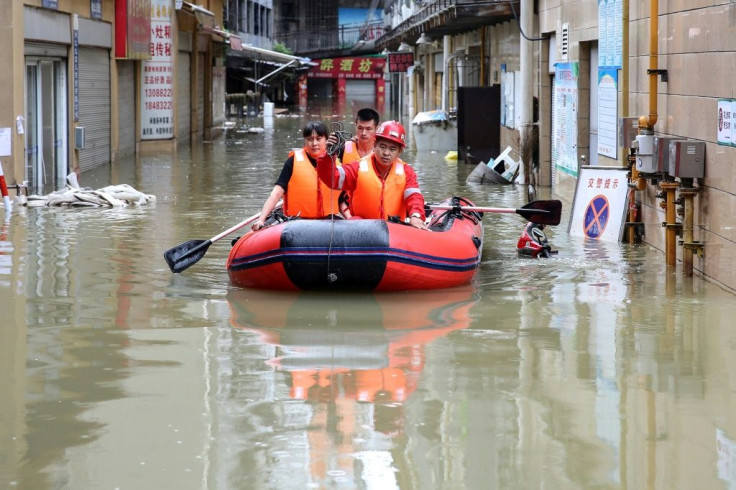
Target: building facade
x=93, y=81
x=669, y=67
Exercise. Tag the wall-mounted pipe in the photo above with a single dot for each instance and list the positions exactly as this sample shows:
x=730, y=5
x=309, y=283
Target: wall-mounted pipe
x=646, y=127
x=688, y=196
x=649, y=121
x=689, y=245
x=672, y=228
x=447, y=76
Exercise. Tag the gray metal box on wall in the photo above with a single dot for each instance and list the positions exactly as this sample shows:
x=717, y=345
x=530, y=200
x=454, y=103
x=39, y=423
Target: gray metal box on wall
x=628, y=128
x=79, y=137
x=687, y=159
x=662, y=152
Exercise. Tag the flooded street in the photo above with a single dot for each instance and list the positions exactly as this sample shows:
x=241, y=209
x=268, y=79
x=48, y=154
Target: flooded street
x=597, y=368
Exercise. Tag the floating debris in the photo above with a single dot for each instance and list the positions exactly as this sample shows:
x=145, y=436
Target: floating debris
x=73, y=195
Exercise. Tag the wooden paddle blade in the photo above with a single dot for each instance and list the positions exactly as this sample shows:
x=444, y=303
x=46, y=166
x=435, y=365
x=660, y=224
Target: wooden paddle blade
x=183, y=256
x=542, y=212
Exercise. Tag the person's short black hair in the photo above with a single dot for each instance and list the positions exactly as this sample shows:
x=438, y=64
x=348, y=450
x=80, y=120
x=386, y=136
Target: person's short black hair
x=367, y=114
x=314, y=127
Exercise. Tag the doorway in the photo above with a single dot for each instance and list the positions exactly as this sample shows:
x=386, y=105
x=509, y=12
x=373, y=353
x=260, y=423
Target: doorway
x=46, y=152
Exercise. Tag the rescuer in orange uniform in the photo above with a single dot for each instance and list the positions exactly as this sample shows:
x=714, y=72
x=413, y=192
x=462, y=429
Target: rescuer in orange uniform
x=380, y=184
x=366, y=123
x=361, y=145
x=304, y=195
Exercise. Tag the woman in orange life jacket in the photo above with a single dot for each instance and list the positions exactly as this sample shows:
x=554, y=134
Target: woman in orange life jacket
x=361, y=145
x=381, y=185
x=304, y=195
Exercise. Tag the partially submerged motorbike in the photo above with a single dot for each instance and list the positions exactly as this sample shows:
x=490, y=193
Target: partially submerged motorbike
x=533, y=242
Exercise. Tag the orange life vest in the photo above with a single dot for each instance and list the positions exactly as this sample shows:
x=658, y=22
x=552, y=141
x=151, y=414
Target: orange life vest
x=306, y=195
x=376, y=199
x=351, y=153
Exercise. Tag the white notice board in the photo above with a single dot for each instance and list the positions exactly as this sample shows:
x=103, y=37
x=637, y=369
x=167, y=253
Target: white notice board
x=5, y=142
x=600, y=204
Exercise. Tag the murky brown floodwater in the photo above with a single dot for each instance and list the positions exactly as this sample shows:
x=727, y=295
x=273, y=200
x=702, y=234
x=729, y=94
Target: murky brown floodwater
x=598, y=368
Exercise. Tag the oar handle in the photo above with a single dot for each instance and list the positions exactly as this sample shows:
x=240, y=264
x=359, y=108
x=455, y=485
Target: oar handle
x=473, y=208
x=541, y=212
x=241, y=224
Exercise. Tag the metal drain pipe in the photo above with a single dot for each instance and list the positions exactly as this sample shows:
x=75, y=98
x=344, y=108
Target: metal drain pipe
x=672, y=227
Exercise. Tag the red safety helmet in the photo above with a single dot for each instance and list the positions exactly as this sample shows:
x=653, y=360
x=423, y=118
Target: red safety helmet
x=392, y=131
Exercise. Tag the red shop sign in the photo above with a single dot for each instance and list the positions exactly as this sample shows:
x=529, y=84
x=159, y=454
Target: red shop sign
x=348, y=67
x=399, y=62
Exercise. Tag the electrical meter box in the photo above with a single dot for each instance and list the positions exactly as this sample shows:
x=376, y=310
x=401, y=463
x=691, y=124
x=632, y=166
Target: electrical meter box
x=645, y=163
x=687, y=159
x=662, y=152
x=79, y=138
x=628, y=128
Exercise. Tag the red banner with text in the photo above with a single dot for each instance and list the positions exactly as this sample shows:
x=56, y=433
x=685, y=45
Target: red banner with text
x=348, y=67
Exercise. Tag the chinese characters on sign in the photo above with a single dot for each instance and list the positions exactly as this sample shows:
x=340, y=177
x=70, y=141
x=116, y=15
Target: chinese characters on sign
x=607, y=112
x=157, y=94
x=399, y=62
x=600, y=204
x=95, y=9
x=366, y=68
x=132, y=29
x=601, y=183
x=565, y=118
x=725, y=122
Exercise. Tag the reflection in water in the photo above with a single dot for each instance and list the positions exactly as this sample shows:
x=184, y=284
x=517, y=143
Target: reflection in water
x=354, y=360
x=598, y=368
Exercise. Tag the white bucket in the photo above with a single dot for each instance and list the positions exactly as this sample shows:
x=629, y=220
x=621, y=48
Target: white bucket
x=267, y=109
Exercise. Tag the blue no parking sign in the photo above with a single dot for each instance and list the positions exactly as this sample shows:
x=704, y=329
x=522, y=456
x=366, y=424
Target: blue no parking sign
x=596, y=217
x=600, y=204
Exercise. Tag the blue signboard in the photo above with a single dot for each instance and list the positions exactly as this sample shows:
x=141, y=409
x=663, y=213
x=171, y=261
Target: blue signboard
x=75, y=45
x=50, y=4
x=95, y=9
x=596, y=217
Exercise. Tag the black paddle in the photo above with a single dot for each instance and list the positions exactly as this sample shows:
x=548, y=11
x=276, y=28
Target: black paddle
x=541, y=212
x=183, y=256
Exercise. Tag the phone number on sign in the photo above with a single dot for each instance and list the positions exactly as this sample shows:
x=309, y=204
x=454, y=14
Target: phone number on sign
x=159, y=92
x=159, y=105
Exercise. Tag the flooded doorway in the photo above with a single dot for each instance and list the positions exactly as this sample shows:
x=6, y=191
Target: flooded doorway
x=46, y=151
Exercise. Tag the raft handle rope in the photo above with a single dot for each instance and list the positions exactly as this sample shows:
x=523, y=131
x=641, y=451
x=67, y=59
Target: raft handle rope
x=342, y=137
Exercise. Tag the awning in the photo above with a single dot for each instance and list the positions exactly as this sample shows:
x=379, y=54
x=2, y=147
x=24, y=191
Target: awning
x=205, y=18
x=273, y=61
x=275, y=56
x=449, y=17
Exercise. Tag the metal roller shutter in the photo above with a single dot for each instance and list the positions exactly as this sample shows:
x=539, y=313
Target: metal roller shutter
x=200, y=94
x=183, y=105
x=360, y=90
x=94, y=106
x=126, y=107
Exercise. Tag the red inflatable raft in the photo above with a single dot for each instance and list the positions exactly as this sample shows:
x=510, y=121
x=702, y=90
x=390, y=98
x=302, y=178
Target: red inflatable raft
x=373, y=255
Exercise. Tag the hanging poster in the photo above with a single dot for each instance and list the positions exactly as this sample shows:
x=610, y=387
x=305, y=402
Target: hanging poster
x=157, y=85
x=724, y=121
x=5, y=143
x=565, y=118
x=607, y=112
x=733, y=120
x=610, y=33
x=600, y=204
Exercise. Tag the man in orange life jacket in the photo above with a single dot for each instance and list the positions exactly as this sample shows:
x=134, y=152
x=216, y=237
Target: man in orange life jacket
x=366, y=122
x=304, y=195
x=381, y=184
x=361, y=145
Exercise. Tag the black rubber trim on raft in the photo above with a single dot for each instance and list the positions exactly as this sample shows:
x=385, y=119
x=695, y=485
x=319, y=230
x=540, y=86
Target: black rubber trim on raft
x=315, y=274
